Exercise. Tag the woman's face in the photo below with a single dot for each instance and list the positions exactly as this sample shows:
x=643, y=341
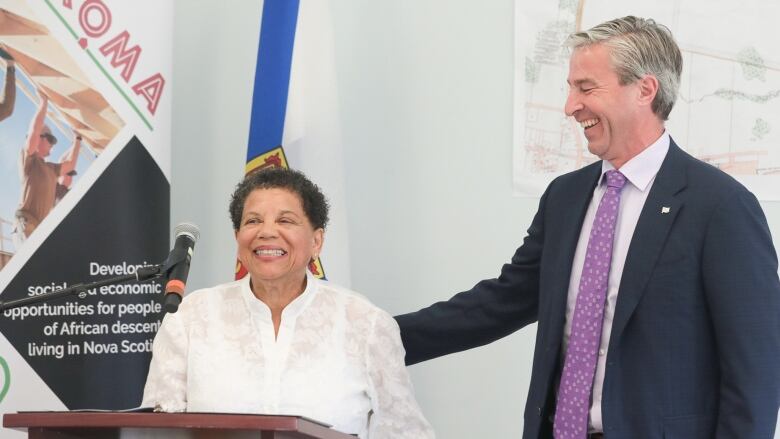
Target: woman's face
x=275, y=240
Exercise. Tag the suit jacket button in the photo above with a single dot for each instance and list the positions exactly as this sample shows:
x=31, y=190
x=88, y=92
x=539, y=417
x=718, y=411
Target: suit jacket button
x=539, y=410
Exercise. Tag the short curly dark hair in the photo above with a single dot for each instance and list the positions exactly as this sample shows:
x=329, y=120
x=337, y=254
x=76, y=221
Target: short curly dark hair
x=315, y=206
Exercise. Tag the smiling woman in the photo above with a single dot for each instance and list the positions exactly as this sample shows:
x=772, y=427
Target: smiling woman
x=281, y=341
x=271, y=213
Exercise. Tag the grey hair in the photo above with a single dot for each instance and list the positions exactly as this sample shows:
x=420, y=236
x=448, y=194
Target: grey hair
x=639, y=47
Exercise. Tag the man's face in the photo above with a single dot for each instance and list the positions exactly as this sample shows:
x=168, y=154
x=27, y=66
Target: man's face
x=45, y=144
x=606, y=110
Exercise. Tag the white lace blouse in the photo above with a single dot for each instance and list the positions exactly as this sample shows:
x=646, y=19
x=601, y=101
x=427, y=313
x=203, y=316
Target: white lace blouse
x=337, y=359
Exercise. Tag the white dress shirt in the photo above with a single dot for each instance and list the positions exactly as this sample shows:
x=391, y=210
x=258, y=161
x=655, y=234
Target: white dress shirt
x=337, y=359
x=640, y=173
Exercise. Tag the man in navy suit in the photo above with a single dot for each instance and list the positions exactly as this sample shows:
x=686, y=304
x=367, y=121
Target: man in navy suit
x=661, y=320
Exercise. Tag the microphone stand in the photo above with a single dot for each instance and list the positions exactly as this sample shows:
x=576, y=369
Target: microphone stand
x=80, y=290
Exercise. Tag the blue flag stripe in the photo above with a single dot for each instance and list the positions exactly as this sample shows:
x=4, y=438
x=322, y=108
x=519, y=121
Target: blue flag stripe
x=272, y=76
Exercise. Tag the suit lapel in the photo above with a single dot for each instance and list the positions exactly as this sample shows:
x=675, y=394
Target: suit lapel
x=655, y=221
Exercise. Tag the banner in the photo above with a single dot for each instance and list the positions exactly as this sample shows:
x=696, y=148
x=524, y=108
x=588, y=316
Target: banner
x=295, y=113
x=84, y=196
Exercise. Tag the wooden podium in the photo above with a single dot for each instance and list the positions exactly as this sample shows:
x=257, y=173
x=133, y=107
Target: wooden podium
x=108, y=425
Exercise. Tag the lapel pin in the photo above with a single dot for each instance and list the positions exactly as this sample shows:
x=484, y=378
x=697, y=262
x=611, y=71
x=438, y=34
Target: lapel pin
x=666, y=209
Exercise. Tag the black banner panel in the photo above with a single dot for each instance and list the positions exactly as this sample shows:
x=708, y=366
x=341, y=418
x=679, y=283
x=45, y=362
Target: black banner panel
x=93, y=352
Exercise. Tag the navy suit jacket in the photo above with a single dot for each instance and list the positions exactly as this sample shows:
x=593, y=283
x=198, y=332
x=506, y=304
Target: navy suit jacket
x=695, y=344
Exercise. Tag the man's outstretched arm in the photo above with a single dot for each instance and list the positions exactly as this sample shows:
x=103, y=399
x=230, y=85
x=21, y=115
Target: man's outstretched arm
x=8, y=100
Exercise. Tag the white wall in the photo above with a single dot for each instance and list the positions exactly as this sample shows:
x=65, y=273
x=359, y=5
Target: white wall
x=425, y=89
x=214, y=54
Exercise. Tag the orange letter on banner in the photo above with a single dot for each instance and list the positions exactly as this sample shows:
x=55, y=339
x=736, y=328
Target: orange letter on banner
x=121, y=56
x=151, y=89
x=97, y=29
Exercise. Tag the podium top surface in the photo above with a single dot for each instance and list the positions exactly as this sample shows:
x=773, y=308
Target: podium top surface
x=220, y=421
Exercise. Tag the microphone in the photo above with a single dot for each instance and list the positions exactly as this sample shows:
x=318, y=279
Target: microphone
x=179, y=263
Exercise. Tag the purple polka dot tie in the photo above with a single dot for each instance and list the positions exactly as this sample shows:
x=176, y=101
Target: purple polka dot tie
x=571, y=414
